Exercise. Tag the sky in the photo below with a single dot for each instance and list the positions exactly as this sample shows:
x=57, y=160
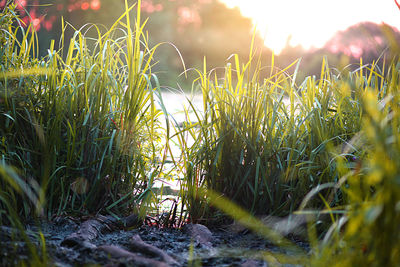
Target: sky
x=310, y=23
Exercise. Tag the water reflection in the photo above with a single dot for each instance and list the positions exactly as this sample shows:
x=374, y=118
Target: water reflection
x=175, y=104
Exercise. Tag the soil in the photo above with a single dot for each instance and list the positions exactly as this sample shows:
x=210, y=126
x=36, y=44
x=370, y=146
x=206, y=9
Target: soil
x=101, y=241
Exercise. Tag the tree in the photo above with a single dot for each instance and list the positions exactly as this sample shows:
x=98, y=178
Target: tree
x=196, y=28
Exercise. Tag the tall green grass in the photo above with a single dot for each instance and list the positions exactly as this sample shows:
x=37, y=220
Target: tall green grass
x=81, y=123
x=13, y=189
x=368, y=233
x=327, y=146
x=264, y=142
x=80, y=133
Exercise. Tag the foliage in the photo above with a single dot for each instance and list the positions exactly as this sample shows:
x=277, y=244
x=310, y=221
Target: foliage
x=80, y=133
x=196, y=28
x=265, y=144
x=14, y=187
x=83, y=129
x=368, y=234
x=199, y=28
x=365, y=40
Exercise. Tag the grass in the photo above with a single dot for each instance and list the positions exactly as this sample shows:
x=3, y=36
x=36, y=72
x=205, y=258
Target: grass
x=266, y=142
x=367, y=234
x=81, y=134
x=81, y=123
x=13, y=189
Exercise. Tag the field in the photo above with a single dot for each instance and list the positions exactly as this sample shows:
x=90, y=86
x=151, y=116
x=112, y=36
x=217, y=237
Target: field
x=85, y=131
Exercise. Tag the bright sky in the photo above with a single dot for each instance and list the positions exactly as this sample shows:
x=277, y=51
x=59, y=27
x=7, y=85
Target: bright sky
x=312, y=22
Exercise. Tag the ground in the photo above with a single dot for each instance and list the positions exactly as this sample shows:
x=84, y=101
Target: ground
x=98, y=241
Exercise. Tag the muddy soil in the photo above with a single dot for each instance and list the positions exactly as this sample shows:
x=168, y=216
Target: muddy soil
x=102, y=242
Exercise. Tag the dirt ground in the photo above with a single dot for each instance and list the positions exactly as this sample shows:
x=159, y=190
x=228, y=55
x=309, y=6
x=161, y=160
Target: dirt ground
x=101, y=242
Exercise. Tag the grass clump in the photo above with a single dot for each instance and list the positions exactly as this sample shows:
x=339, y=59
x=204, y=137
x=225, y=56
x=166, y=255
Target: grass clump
x=367, y=235
x=81, y=123
x=13, y=190
x=327, y=146
x=265, y=142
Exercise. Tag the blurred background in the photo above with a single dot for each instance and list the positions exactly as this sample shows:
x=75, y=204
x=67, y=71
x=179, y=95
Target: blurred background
x=343, y=32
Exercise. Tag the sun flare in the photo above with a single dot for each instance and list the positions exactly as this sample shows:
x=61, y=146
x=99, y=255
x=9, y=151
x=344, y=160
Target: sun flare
x=310, y=23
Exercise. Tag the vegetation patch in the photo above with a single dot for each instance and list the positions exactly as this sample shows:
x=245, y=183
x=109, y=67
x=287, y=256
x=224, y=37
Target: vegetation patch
x=85, y=133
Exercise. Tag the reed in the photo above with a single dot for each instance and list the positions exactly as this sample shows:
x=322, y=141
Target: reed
x=81, y=123
x=367, y=233
x=265, y=142
x=80, y=134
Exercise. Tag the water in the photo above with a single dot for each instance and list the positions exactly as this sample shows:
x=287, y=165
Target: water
x=175, y=105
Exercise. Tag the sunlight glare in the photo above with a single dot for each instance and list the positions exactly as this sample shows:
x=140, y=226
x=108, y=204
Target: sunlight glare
x=310, y=23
